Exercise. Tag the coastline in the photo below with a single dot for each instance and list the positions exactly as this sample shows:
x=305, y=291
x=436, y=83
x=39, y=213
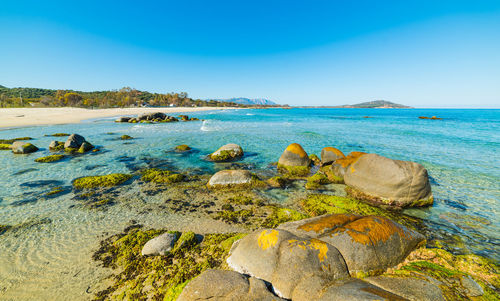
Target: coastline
x=20, y=117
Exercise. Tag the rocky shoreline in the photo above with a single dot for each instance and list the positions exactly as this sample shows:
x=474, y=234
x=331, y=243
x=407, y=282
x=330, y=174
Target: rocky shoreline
x=349, y=242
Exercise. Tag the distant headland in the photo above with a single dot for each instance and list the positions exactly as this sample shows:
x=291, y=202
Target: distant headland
x=376, y=104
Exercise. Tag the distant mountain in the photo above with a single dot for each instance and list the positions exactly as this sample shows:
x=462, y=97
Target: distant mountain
x=249, y=101
x=376, y=104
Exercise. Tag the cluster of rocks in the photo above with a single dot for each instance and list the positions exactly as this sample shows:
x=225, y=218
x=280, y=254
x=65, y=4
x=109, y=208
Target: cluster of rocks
x=317, y=259
x=154, y=117
x=74, y=143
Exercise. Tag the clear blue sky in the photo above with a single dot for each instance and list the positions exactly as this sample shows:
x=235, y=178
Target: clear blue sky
x=421, y=53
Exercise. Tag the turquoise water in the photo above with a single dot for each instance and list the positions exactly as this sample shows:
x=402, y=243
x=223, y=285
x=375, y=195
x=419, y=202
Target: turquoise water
x=461, y=153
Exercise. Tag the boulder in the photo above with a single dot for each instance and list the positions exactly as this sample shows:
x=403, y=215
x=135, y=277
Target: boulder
x=230, y=177
x=340, y=165
x=74, y=141
x=409, y=288
x=394, y=183
x=85, y=147
x=294, y=155
x=227, y=152
x=368, y=244
x=286, y=260
x=123, y=119
x=152, y=116
x=22, y=147
x=330, y=154
x=226, y=286
x=160, y=245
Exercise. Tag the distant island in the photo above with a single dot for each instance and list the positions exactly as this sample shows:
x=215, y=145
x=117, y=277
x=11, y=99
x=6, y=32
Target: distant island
x=249, y=101
x=376, y=104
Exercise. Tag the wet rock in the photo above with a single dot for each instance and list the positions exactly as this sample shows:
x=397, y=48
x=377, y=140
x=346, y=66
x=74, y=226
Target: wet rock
x=85, y=147
x=471, y=287
x=227, y=152
x=394, y=183
x=123, y=119
x=161, y=244
x=285, y=260
x=227, y=286
x=330, y=155
x=410, y=288
x=74, y=141
x=369, y=244
x=21, y=147
x=230, y=177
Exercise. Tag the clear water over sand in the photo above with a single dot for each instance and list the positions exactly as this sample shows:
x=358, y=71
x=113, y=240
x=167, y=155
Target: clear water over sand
x=48, y=253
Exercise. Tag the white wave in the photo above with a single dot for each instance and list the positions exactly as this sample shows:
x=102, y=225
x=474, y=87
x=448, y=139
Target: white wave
x=249, y=114
x=207, y=126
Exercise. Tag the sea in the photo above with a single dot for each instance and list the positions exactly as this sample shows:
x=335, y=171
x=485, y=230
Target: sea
x=48, y=251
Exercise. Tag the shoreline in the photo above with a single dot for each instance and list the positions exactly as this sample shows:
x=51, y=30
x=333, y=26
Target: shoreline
x=22, y=117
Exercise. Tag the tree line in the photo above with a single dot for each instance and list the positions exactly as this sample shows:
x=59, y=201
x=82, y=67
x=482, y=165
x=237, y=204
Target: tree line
x=125, y=97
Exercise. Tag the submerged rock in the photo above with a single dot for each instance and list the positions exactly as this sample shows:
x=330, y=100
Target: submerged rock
x=286, y=260
x=21, y=147
x=161, y=244
x=51, y=158
x=227, y=286
x=384, y=181
x=369, y=244
x=330, y=155
x=230, y=177
x=227, y=152
x=101, y=181
x=294, y=160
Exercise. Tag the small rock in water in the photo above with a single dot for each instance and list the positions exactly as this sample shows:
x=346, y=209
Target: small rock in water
x=74, y=141
x=230, y=177
x=21, y=147
x=160, y=245
x=227, y=152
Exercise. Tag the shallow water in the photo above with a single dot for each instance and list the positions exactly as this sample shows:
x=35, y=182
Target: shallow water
x=49, y=255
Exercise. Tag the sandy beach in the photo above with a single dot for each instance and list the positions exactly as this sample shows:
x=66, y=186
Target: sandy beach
x=17, y=117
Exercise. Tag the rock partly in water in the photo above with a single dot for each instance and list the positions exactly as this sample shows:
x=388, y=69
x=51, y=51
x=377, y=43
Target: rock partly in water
x=182, y=148
x=56, y=146
x=21, y=147
x=101, y=181
x=74, y=141
x=369, y=245
x=160, y=245
x=231, y=178
x=226, y=286
x=285, y=260
x=51, y=158
x=123, y=119
x=330, y=155
x=294, y=161
x=85, y=147
x=156, y=175
x=387, y=182
x=228, y=152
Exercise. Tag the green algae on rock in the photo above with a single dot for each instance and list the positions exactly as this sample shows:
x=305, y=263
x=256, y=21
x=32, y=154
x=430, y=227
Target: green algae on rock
x=161, y=176
x=315, y=181
x=294, y=171
x=282, y=215
x=55, y=146
x=10, y=141
x=182, y=148
x=330, y=174
x=20, y=147
x=58, y=135
x=51, y=158
x=54, y=191
x=101, y=181
x=225, y=153
x=5, y=146
x=159, y=277
x=314, y=159
x=126, y=137
x=277, y=182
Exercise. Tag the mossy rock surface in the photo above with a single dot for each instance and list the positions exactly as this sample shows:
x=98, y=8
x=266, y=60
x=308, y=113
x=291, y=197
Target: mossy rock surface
x=159, y=277
x=282, y=215
x=10, y=141
x=5, y=146
x=294, y=171
x=314, y=159
x=315, y=181
x=51, y=158
x=182, y=148
x=161, y=176
x=277, y=182
x=332, y=177
x=58, y=135
x=54, y=191
x=126, y=137
x=101, y=181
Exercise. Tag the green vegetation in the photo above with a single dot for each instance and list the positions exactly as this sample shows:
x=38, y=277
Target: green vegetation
x=327, y=170
x=277, y=182
x=182, y=148
x=26, y=149
x=59, y=146
x=159, y=277
x=294, y=171
x=4, y=146
x=282, y=215
x=126, y=137
x=315, y=181
x=222, y=156
x=54, y=191
x=4, y=228
x=231, y=216
x=10, y=141
x=51, y=158
x=240, y=199
x=161, y=176
x=125, y=97
x=314, y=159
x=58, y=135
x=101, y=181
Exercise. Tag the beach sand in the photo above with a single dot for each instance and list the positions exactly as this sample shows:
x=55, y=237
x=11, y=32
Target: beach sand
x=17, y=117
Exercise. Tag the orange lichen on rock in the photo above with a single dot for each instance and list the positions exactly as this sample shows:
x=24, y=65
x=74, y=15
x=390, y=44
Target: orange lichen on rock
x=350, y=159
x=372, y=229
x=296, y=149
x=329, y=222
x=268, y=239
x=321, y=247
x=335, y=151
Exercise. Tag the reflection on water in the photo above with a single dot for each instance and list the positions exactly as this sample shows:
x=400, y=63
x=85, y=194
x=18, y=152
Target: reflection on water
x=47, y=252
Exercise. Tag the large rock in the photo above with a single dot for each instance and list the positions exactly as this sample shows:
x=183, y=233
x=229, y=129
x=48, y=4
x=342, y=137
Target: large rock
x=152, y=116
x=410, y=288
x=340, y=165
x=160, y=245
x=294, y=155
x=226, y=286
x=230, y=177
x=74, y=141
x=22, y=147
x=369, y=244
x=286, y=260
x=330, y=154
x=383, y=181
x=227, y=152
